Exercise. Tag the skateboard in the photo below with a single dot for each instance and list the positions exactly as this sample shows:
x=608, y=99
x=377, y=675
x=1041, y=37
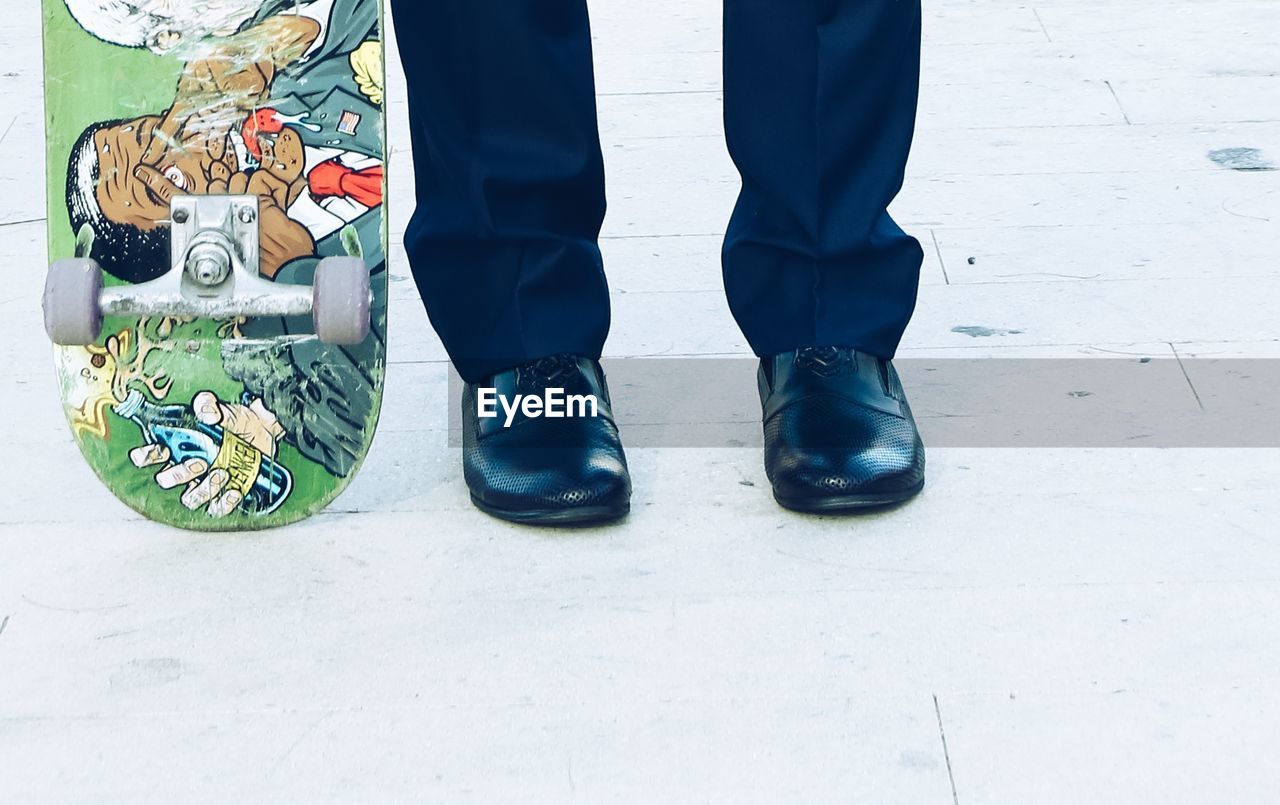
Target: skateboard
x=217, y=296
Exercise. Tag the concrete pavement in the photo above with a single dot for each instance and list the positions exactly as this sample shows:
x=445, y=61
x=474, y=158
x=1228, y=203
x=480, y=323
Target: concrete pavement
x=1041, y=626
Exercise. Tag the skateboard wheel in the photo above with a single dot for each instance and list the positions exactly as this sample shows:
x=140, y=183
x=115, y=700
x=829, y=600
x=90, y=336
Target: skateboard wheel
x=72, y=314
x=340, y=300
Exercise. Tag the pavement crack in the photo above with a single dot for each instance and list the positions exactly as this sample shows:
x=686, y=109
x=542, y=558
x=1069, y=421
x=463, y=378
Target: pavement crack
x=306, y=733
x=1230, y=211
x=4, y=623
x=946, y=753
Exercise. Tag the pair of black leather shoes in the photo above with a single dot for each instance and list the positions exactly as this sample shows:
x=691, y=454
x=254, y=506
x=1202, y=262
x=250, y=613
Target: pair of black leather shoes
x=839, y=436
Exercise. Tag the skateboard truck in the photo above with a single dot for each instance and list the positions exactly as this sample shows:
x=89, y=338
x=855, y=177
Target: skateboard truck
x=214, y=273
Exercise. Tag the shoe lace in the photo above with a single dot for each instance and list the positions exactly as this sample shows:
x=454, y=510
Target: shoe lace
x=549, y=371
x=824, y=361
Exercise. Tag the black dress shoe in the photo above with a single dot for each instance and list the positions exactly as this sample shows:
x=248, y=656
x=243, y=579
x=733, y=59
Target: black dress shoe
x=528, y=465
x=838, y=433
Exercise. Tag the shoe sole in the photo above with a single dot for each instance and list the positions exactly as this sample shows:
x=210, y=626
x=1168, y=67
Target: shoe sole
x=585, y=516
x=836, y=504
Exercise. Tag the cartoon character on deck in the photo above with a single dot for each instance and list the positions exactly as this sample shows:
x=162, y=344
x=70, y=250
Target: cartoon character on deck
x=162, y=26
x=277, y=110
x=280, y=99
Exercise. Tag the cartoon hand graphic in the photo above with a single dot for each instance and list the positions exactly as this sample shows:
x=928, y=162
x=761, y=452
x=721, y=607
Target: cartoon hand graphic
x=281, y=240
x=332, y=179
x=249, y=433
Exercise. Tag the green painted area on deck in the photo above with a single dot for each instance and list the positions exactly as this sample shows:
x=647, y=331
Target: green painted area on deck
x=88, y=81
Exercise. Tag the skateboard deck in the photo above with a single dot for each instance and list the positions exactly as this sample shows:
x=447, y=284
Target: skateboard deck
x=212, y=162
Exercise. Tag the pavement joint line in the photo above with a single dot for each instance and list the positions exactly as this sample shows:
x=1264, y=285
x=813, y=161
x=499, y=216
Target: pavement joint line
x=933, y=233
x=1119, y=105
x=946, y=753
x=4, y=224
x=1182, y=366
x=72, y=610
x=1036, y=11
x=8, y=129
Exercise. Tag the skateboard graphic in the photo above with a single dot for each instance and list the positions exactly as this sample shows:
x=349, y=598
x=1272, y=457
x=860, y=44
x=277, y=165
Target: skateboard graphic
x=217, y=296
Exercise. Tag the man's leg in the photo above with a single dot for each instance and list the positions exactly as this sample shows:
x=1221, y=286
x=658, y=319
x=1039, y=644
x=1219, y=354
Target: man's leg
x=820, y=103
x=510, y=179
x=503, y=244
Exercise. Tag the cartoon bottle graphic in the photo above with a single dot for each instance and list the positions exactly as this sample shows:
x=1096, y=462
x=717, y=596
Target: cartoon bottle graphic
x=264, y=483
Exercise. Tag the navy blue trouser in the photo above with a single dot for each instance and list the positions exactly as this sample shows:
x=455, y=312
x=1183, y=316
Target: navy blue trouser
x=820, y=102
